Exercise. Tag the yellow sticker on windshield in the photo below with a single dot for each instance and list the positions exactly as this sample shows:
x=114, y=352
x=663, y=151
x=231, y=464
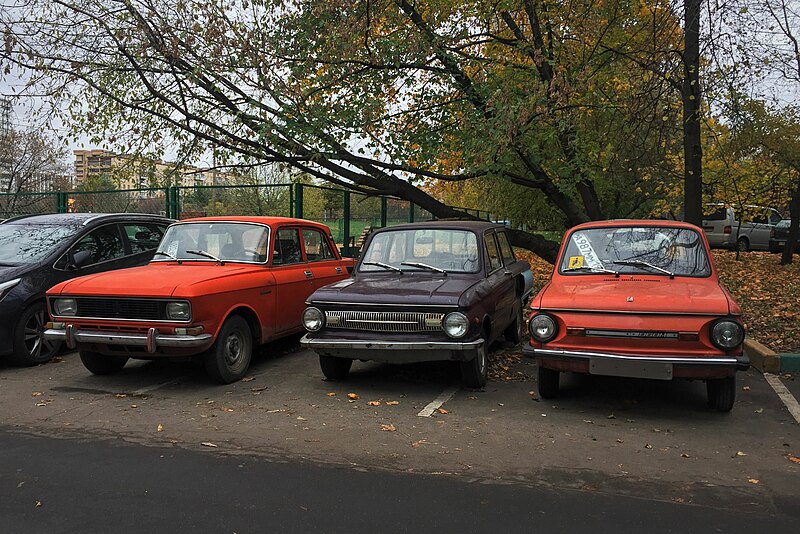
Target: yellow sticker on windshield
x=575, y=262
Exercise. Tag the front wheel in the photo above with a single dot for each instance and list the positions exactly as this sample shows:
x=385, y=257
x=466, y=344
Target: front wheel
x=229, y=357
x=743, y=245
x=548, y=382
x=721, y=393
x=30, y=346
x=98, y=364
x=475, y=372
x=335, y=368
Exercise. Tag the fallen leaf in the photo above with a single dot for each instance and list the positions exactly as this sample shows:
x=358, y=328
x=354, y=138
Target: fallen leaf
x=134, y=406
x=753, y=481
x=301, y=418
x=745, y=388
x=248, y=379
x=38, y=504
x=740, y=453
x=500, y=404
x=760, y=410
x=209, y=444
x=36, y=394
x=619, y=440
x=589, y=421
x=684, y=455
x=418, y=443
x=331, y=394
x=227, y=409
x=120, y=395
x=374, y=403
x=443, y=411
x=648, y=446
x=794, y=459
x=611, y=416
x=388, y=428
x=160, y=428
x=258, y=389
x=392, y=403
x=352, y=396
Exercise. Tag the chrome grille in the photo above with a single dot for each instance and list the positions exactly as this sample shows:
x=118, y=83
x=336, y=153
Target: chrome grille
x=385, y=321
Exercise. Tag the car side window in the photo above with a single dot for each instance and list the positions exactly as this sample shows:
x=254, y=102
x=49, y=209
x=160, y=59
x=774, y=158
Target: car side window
x=104, y=243
x=316, y=245
x=492, y=252
x=774, y=217
x=143, y=237
x=505, y=248
x=287, y=247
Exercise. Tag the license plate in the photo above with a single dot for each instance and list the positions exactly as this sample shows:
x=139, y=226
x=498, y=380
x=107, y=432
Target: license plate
x=630, y=368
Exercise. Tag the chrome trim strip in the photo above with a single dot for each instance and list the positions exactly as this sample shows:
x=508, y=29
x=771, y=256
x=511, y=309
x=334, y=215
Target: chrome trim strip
x=628, y=312
x=389, y=345
x=453, y=307
x=384, y=321
x=681, y=360
x=138, y=340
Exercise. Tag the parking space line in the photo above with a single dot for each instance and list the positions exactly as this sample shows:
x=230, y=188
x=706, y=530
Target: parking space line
x=445, y=396
x=148, y=389
x=784, y=394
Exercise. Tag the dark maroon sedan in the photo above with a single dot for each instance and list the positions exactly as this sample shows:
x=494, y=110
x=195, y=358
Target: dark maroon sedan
x=422, y=292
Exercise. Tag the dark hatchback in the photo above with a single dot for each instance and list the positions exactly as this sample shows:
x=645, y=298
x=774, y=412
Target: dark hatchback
x=442, y=290
x=779, y=235
x=39, y=251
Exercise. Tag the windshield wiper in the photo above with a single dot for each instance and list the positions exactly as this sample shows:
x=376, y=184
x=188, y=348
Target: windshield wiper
x=384, y=265
x=424, y=266
x=639, y=263
x=167, y=254
x=593, y=269
x=206, y=254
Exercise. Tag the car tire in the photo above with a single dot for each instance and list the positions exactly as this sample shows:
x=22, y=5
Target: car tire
x=743, y=245
x=513, y=333
x=99, y=364
x=475, y=372
x=721, y=393
x=229, y=357
x=335, y=368
x=547, y=380
x=30, y=347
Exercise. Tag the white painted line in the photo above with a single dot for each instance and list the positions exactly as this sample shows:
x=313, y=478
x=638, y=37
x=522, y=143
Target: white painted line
x=148, y=389
x=784, y=394
x=445, y=396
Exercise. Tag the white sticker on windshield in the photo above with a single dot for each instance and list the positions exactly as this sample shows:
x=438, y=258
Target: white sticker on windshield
x=590, y=258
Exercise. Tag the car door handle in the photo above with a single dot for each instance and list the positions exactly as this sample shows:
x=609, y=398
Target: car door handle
x=338, y=270
x=308, y=274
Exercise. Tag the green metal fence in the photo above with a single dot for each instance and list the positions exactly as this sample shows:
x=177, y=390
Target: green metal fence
x=347, y=213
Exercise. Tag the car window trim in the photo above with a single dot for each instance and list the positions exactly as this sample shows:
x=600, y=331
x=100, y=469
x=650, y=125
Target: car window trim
x=325, y=239
x=491, y=231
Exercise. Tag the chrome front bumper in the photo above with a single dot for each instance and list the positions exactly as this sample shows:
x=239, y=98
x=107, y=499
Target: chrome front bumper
x=741, y=363
x=394, y=351
x=151, y=341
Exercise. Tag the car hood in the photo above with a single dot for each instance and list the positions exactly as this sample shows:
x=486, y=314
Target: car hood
x=160, y=279
x=412, y=289
x=638, y=295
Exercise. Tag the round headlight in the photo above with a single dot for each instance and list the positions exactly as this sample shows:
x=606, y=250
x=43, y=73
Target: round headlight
x=178, y=311
x=727, y=334
x=542, y=327
x=455, y=324
x=65, y=307
x=313, y=319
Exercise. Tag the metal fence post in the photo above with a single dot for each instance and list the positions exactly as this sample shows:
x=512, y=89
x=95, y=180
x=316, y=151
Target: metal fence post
x=384, y=209
x=346, y=223
x=291, y=200
x=298, y=201
x=62, y=202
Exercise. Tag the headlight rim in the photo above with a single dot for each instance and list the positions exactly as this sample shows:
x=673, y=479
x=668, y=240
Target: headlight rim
x=320, y=319
x=717, y=343
x=188, y=316
x=456, y=314
x=60, y=312
x=532, y=329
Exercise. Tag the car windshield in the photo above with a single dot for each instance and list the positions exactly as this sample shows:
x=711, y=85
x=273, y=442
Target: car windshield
x=214, y=241
x=22, y=244
x=656, y=250
x=425, y=249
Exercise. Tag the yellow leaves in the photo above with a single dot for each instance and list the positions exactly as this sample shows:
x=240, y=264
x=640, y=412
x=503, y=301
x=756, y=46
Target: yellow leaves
x=794, y=459
x=374, y=403
x=331, y=394
x=388, y=427
x=160, y=428
x=352, y=396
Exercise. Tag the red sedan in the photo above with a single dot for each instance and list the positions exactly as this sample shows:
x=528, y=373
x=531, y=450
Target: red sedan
x=637, y=299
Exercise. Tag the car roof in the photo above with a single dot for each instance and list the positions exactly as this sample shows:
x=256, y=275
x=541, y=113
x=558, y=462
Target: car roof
x=268, y=220
x=618, y=223
x=82, y=219
x=476, y=226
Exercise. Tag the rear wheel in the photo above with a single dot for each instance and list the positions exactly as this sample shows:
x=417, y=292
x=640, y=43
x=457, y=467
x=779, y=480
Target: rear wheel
x=30, y=346
x=335, y=368
x=475, y=372
x=743, y=245
x=228, y=359
x=721, y=393
x=98, y=364
x=548, y=382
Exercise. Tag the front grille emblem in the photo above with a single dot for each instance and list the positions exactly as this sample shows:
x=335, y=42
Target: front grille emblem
x=630, y=299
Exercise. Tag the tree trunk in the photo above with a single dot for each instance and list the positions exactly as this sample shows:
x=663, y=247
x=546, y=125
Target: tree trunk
x=794, y=227
x=692, y=149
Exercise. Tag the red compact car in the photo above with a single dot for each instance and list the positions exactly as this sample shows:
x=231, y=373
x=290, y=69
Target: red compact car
x=637, y=299
x=216, y=287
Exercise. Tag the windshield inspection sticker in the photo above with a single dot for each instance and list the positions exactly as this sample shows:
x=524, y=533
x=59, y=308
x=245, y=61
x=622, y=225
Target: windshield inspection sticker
x=575, y=262
x=589, y=258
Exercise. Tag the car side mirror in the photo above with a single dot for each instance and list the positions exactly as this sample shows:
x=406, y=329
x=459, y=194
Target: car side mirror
x=79, y=259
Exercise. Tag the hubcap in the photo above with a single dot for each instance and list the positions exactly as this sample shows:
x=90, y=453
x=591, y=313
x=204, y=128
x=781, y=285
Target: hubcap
x=233, y=349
